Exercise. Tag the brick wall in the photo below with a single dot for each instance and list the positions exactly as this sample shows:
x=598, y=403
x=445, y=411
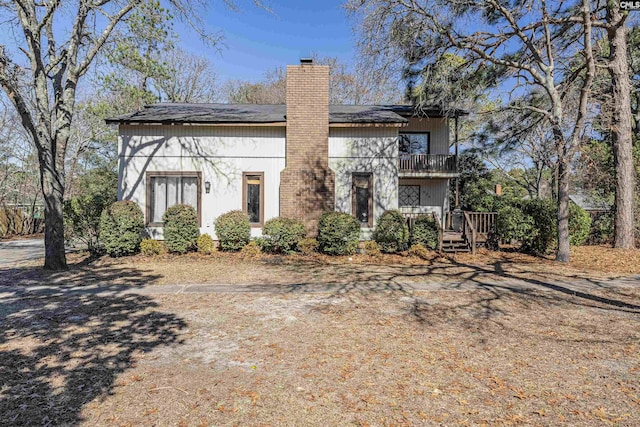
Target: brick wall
x=307, y=185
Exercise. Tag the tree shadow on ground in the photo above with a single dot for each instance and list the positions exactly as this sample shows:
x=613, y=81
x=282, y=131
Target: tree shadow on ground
x=63, y=346
x=499, y=288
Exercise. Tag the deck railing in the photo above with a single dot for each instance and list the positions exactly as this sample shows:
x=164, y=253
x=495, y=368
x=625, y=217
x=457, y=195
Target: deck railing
x=483, y=222
x=469, y=232
x=410, y=217
x=427, y=163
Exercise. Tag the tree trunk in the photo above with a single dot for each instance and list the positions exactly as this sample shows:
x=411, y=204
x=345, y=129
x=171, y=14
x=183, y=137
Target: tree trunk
x=621, y=131
x=53, y=194
x=563, y=211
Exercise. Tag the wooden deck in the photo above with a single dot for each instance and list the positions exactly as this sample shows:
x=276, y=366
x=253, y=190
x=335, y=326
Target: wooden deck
x=476, y=231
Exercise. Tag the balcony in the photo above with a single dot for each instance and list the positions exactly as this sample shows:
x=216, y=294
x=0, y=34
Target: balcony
x=435, y=165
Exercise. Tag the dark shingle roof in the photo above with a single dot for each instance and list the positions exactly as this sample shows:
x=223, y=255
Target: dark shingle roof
x=251, y=113
x=204, y=113
x=270, y=113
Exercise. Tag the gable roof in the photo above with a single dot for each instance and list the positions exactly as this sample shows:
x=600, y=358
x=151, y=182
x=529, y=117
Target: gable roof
x=168, y=113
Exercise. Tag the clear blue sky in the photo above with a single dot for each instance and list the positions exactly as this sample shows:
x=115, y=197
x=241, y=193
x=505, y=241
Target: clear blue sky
x=256, y=40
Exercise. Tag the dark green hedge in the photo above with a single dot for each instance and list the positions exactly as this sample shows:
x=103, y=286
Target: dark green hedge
x=391, y=232
x=425, y=232
x=281, y=235
x=338, y=233
x=233, y=230
x=122, y=228
x=181, y=228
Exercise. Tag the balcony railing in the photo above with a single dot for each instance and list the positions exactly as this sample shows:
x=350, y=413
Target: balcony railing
x=443, y=163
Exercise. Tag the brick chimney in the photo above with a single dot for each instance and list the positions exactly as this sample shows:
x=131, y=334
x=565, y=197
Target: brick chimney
x=307, y=185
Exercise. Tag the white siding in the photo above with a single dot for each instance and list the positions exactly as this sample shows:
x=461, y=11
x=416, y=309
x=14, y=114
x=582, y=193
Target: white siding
x=222, y=154
x=438, y=128
x=367, y=149
x=434, y=195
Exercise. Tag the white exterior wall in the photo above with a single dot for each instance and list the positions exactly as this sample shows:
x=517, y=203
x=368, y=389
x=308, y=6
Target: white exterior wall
x=438, y=129
x=434, y=192
x=221, y=153
x=365, y=149
x=434, y=196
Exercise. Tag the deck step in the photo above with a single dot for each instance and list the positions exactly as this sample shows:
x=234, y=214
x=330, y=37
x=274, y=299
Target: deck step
x=453, y=242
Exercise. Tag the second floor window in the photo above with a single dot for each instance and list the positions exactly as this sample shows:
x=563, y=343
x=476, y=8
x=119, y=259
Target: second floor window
x=415, y=143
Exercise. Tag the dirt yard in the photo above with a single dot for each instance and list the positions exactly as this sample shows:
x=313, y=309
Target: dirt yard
x=386, y=355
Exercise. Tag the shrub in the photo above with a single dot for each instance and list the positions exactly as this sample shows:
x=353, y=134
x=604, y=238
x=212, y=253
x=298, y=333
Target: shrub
x=205, y=244
x=181, y=228
x=121, y=228
x=513, y=224
x=150, y=247
x=251, y=250
x=82, y=219
x=579, y=225
x=308, y=246
x=543, y=232
x=391, y=232
x=233, y=230
x=338, y=233
x=419, y=251
x=602, y=229
x=371, y=248
x=282, y=235
x=425, y=232
x=97, y=190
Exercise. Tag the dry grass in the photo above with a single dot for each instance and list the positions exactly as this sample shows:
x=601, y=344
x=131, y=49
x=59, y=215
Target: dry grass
x=596, y=262
x=606, y=259
x=491, y=357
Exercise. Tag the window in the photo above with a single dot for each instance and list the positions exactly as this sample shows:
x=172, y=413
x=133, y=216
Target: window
x=362, y=198
x=409, y=195
x=165, y=189
x=415, y=143
x=253, y=197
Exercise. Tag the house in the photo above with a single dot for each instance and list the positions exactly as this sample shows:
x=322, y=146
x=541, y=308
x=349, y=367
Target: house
x=595, y=208
x=296, y=160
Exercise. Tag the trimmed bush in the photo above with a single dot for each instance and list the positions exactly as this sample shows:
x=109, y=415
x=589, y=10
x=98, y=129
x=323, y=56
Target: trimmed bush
x=251, y=250
x=425, y=232
x=543, y=232
x=181, y=228
x=281, y=235
x=513, y=224
x=308, y=246
x=150, y=247
x=391, y=232
x=205, y=244
x=121, y=228
x=371, y=248
x=338, y=233
x=97, y=191
x=579, y=225
x=419, y=251
x=233, y=230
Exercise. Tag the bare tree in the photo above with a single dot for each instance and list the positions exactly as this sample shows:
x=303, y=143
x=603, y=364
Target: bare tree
x=191, y=78
x=42, y=85
x=346, y=86
x=525, y=46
